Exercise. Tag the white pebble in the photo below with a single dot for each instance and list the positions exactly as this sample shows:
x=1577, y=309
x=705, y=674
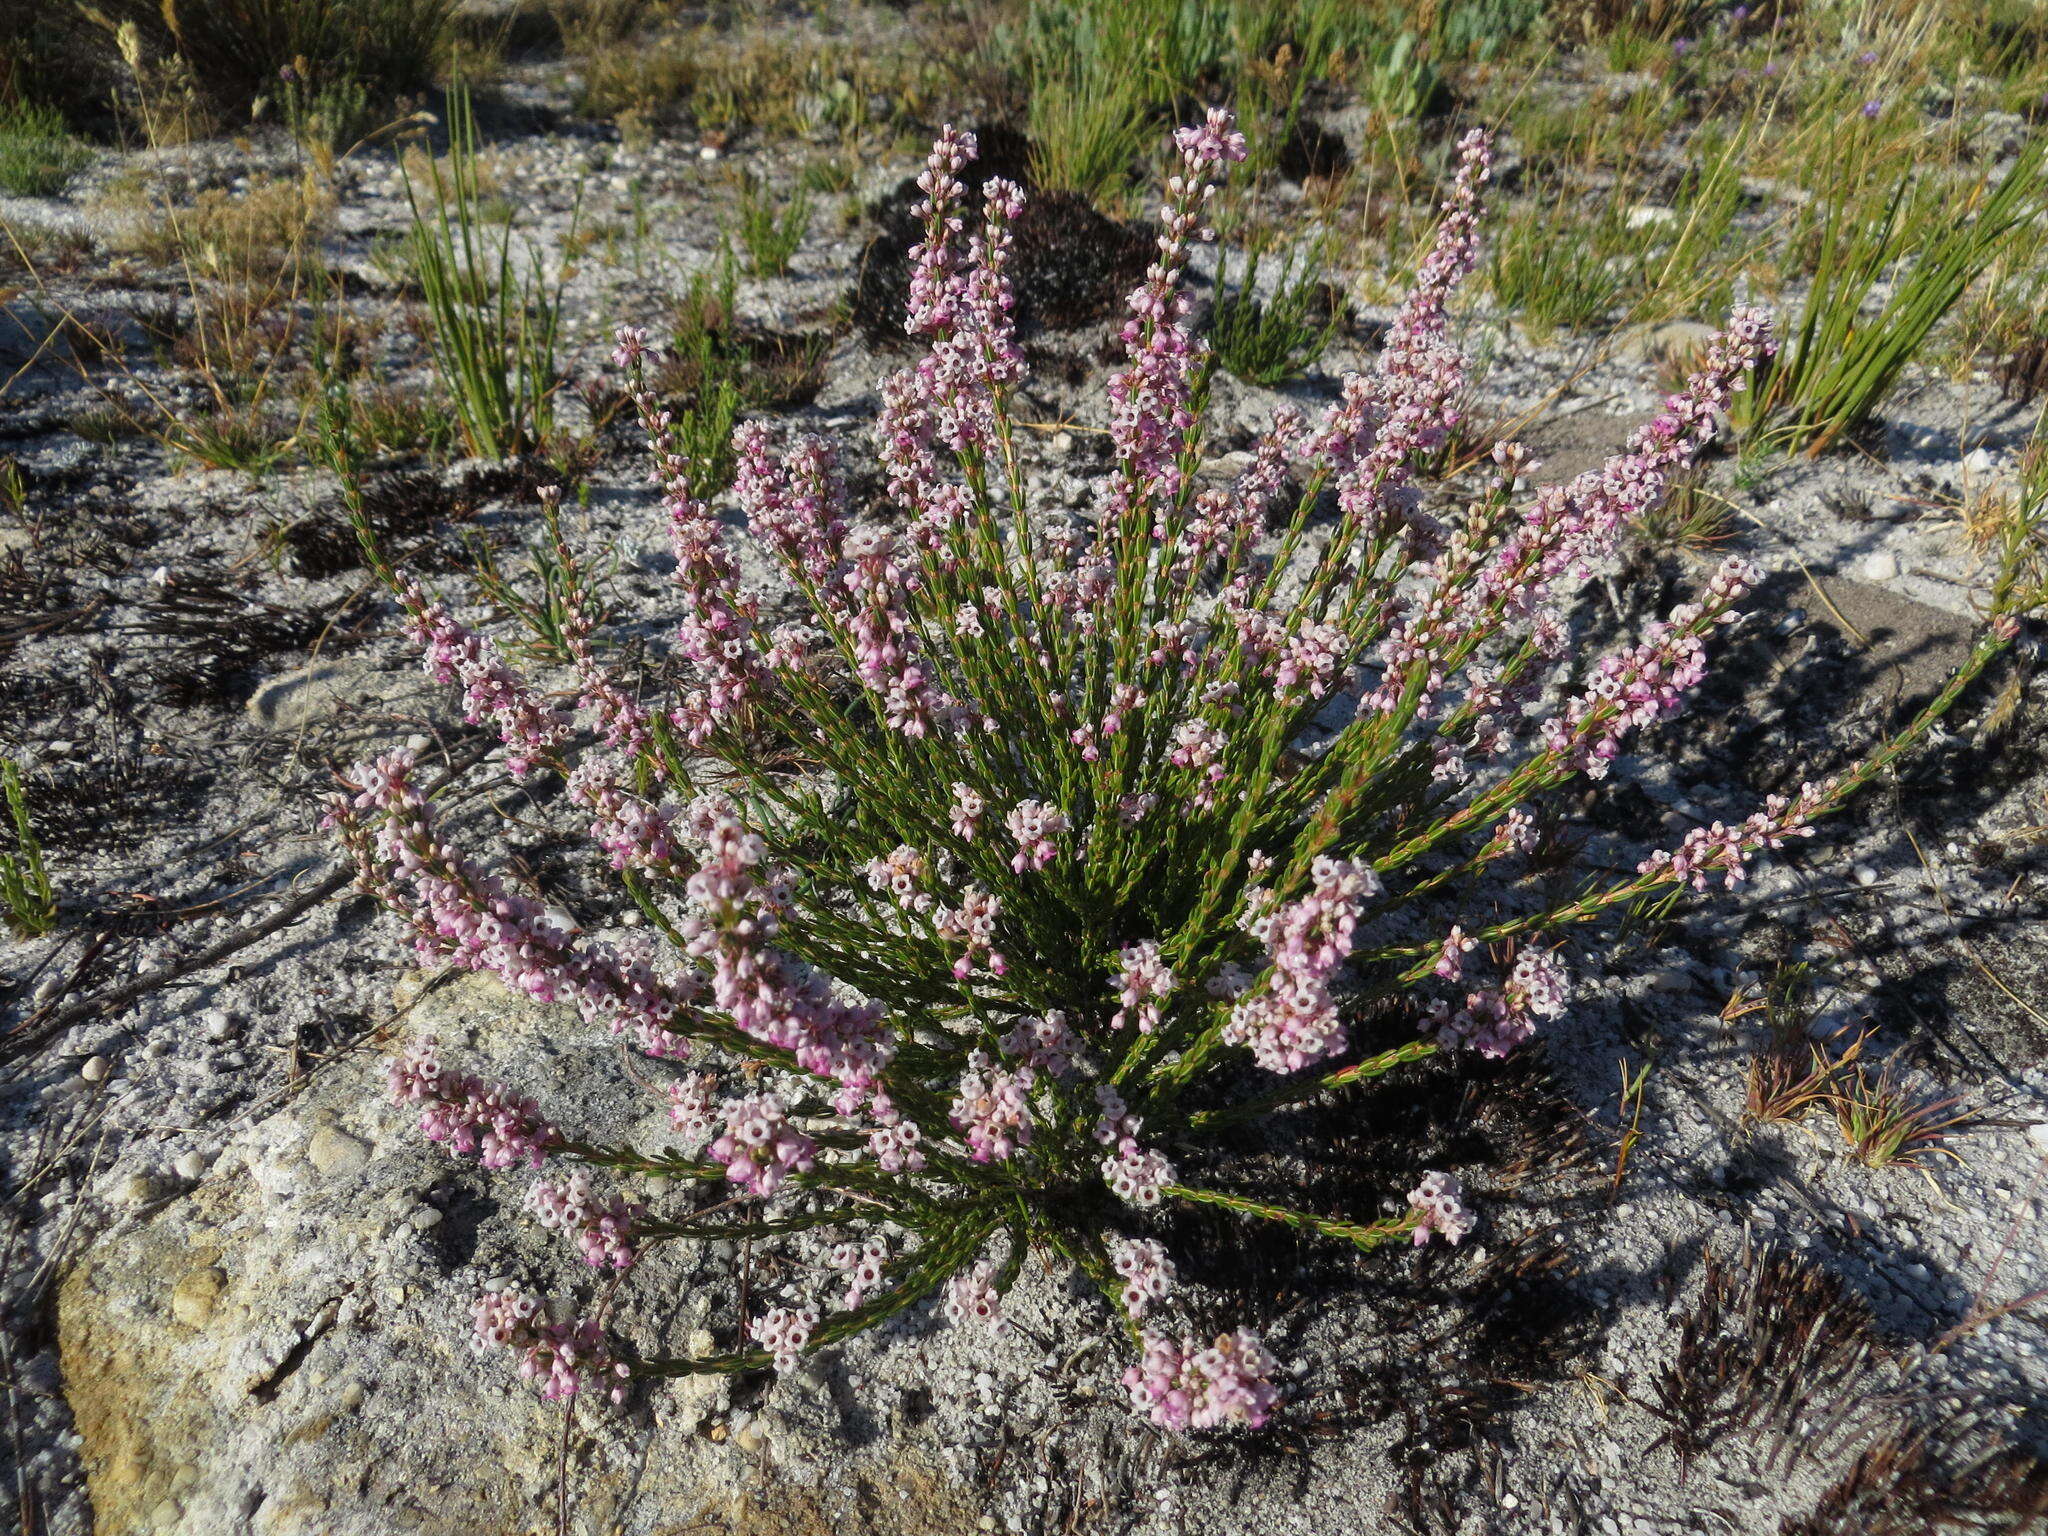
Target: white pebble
x=1881, y=566
x=191, y=1166
x=423, y=1218
x=95, y=1069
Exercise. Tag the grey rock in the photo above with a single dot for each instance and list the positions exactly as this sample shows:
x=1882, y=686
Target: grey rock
x=336, y=1153
x=201, y=1347
x=308, y=694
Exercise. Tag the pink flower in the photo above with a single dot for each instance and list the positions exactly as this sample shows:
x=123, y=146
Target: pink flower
x=1035, y=825
x=992, y=1109
x=1439, y=1203
x=1183, y=1385
x=1044, y=1044
x=785, y=1332
x=1148, y=1272
x=1725, y=850
x=760, y=1148
x=1292, y=1018
x=691, y=1110
x=1143, y=982
x=1136, y=1174
x=604, y=1232
x=971, y=1298
x=532, y=731
x=974, y=923
x=563, y=1357
x=967, y=809
x=470, y=1115
x=863, y=1264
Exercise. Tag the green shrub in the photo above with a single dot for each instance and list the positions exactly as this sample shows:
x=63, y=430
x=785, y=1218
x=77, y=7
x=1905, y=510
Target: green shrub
x=494, y=319
x=1893, y=254
x=770, y=238
x=25, y=892
x=1554, y=270
x=37, y=154
x=1263, y=341
x=241, y=50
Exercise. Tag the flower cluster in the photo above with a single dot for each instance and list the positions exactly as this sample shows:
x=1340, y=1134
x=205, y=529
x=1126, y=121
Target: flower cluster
x=1292, y=1019
x=785, y=1332
x=470, y=1115
x=760, y=1148
x=862, y=1264
x=604, y=1232
x=1439, y=1206
x=1186, y=1385
x=1147, y=1271
x=983, y=839
x=971, y=1298
x=1143, y=982
x=562, y=1358
x=1136, y=1174
x=993, y=1109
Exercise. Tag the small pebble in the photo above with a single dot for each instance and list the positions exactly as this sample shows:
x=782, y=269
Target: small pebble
x=94, y=1070
x=191, y=1167
x=425, y=1217
x=336, y=1153
x=1881, y=566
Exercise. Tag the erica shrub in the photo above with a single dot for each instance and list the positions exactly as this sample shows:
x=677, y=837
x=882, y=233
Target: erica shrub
x=1038, y=849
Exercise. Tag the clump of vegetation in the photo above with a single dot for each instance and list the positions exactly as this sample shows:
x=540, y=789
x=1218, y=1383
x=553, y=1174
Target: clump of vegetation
x=495, y=316
x=994, y=886
x=769, y=238
x=1887, y=1123
x=38, y=154
x=239, y=52
x=1893, y=252
x=25, y=890
x=1266, y=340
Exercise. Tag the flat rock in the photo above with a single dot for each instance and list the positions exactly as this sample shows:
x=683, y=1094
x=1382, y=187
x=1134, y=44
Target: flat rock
x=275, y=1361
x=308, y=694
